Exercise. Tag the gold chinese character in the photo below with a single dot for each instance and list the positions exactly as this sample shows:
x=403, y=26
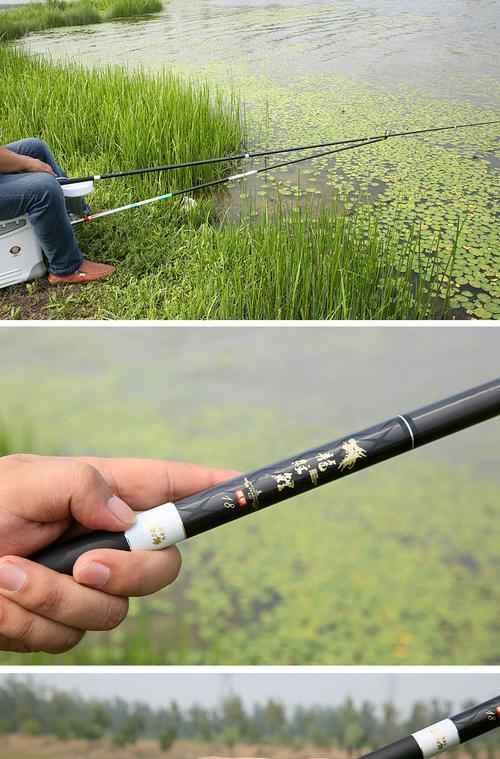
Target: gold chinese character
x=284, y=480
x=300, y=466
x=325, y=460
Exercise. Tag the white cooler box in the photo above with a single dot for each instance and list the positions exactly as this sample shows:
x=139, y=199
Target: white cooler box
x=21, y=258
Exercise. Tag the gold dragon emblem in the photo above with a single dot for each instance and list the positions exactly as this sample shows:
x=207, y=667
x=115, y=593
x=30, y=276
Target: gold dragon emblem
x=353, y=453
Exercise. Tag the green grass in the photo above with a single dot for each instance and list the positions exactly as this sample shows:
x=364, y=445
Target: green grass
x=315, y=263
x=14, y=444
x=298, y=261
x=37, y=16
x=130, y=8
x=22, y=439
x=114, y=120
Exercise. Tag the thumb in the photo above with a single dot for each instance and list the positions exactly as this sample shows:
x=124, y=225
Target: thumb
x=56, y=491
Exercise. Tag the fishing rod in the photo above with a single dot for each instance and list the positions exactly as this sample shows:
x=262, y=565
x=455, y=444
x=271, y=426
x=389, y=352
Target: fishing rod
x=260, y=154
x=214, y=182
x=171, y=523
x=444, y=735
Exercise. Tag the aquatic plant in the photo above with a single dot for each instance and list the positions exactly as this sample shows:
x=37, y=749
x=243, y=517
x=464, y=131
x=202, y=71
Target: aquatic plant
x=433, y=181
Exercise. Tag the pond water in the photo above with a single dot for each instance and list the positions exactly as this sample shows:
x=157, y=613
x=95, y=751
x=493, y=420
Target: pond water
x=422, y=43
x=316, y=71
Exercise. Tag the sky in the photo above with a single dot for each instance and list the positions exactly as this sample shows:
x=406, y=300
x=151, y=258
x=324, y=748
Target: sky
x=330, y=688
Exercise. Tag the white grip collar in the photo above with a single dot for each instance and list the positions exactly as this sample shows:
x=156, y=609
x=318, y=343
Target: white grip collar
x=155, y=529
x=437, y=738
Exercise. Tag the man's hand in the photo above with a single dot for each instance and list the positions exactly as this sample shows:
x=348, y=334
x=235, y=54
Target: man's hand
x=42, y=498
x=14, y=163
x=33, y=164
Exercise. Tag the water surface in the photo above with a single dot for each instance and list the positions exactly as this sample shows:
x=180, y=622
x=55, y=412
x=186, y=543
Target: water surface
x=422, y=43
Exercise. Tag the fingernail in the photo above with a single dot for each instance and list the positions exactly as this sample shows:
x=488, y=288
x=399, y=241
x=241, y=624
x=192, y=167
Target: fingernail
x=121, y=510
x=95, y=574
x=11, y=577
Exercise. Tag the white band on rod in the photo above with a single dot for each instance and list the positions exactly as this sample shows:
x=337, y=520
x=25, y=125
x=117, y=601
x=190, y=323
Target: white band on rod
x=156, y=528
x=439, y=737
x=242, y=176
x=400, y=416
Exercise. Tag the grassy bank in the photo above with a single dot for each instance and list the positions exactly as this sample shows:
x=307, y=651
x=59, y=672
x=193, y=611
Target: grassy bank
x=51, y=14
x=313, y=264
x=114, y=120
x=298, y=261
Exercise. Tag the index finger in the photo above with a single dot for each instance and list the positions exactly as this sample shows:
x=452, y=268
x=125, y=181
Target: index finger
x=144, y=483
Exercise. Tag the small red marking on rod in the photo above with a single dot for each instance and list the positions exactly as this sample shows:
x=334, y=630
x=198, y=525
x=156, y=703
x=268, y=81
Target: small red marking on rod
x=240, y=497
x=498, y=710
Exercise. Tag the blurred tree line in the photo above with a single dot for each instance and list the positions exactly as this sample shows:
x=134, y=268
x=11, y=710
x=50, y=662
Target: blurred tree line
x=26, y=709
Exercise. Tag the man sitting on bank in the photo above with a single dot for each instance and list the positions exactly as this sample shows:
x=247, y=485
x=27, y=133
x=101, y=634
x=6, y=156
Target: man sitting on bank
x=28, y=186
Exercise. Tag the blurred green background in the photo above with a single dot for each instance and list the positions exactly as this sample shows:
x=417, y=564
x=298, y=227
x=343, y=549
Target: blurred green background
x=397, y=565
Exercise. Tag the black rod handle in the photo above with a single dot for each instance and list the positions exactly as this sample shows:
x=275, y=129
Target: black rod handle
x=63, y=556
x=171, y=523
x=444, y=735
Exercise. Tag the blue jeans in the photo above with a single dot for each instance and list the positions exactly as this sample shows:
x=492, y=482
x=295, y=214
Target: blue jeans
x=40, y=197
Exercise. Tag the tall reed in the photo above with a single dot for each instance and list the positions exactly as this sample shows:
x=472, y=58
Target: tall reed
x=110, y=119
x=37, y=16
x=130, y=8
x=316, y=263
